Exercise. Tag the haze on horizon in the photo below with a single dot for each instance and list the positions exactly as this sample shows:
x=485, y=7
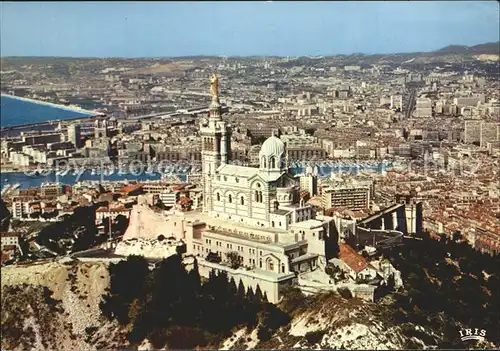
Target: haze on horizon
x=168, y=29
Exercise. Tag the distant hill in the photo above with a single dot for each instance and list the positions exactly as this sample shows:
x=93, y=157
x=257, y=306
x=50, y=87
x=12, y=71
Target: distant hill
x=486, y=48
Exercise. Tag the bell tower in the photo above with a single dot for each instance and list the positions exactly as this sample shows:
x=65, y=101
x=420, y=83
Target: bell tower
x=215, y=144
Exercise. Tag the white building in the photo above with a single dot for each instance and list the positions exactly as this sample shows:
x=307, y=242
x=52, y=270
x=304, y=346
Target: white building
x=397, y=101
x=169, y=198
x=113, y=212
x=255, y=212
x=9, y=239
x=351, y=196
x=19, y=209
x=423, y=107
x=309, y=182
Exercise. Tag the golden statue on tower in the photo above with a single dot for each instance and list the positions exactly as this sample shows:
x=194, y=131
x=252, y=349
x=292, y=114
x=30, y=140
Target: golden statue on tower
x=214, y=87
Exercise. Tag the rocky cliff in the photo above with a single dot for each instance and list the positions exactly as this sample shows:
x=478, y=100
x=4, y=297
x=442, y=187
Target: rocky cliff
x=55, y=305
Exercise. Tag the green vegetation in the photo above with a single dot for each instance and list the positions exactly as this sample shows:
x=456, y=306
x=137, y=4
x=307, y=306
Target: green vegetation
x=4, y=216
x=25, y=301
x=80, y=226
x=258, y=140
x=169, y=305
x=448, y=286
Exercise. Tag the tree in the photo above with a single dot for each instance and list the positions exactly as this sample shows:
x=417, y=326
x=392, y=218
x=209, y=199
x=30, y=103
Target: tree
x=258, y=140
x=213, y=257
x=310, y=131
x=234, y=259
x=169, y=305
x=120, y=224
x=127, y=283
x=233, y=289
x=332, y=248
x=293, y=298
x=241, y=291
x=258, y=295
x=185, y=203
x=250, y=294
x=160, y=204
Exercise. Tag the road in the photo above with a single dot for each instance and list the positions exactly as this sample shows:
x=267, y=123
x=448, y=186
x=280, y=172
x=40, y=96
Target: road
x=411, y=103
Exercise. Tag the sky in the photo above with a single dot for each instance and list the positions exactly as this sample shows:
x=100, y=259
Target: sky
x=308, y=28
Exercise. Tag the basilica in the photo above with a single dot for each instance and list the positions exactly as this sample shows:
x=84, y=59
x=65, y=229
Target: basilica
x=253, y=213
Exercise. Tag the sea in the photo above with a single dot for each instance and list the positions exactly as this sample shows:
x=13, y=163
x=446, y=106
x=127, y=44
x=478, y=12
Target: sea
x=323, y=169
x=15, y=112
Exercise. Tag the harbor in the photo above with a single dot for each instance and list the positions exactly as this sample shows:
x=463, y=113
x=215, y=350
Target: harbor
x=35, y=177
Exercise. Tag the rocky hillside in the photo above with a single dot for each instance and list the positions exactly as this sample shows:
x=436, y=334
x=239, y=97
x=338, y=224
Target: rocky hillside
x=55, y=305
x=329, y=321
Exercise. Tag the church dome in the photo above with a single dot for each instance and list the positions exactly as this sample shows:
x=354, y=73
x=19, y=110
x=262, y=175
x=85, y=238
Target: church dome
x=272, y=154
x=273, y=146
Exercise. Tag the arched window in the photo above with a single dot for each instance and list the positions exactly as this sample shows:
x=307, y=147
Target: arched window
x=272, y=224
x=282, y=268
x=218, y=197
x=230, y=198
x=259, y=196
x=270, y=265
x=260, y=263
x=264, y=163
x=242, y=200
x=272, y=162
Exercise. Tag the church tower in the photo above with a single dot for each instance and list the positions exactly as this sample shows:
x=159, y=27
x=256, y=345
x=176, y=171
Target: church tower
x=215, y=144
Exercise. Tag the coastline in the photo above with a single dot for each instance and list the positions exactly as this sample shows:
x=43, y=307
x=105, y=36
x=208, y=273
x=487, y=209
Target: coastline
x=63, y=107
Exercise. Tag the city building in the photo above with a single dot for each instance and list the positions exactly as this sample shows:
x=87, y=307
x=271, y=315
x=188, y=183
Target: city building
x=19, y=209
x=169, y=198
x=51, y=189
x=423, y=107
x=397, y=101
x=352, y=197
x=74, y=135
x=309, y=182
x=490, y=132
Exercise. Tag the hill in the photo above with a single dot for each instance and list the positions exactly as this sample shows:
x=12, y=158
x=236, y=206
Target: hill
x=86, y=306
x=56, y=306
x=486, y=48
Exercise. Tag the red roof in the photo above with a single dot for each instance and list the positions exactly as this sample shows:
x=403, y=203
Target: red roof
x=102, y=209
x=352, y=258
x=5, y=257
x=130, y=188
x=178, y=187
x=9, y=247
x=113, y=209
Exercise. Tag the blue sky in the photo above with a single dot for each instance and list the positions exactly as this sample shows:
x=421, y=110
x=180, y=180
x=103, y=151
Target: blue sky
x=152, y=29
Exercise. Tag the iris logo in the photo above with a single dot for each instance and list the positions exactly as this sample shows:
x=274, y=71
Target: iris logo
x=472, y=334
